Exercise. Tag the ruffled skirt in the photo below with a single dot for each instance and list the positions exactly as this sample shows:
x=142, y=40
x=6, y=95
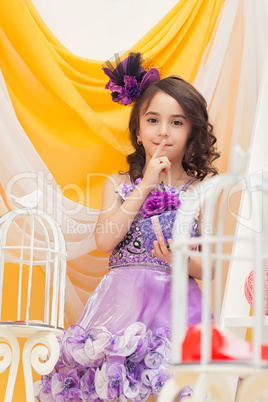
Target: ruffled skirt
x=121, y=345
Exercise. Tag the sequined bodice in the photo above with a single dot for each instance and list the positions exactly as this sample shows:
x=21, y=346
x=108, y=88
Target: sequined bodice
x=131, y=251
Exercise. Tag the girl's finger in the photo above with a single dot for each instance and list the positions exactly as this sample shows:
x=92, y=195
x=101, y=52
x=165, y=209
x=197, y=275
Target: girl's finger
x=156, y=250
x=162, y=245
x=159, y=149
x=169, y=244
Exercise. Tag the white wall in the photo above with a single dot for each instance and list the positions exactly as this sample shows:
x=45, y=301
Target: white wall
x=97, y=29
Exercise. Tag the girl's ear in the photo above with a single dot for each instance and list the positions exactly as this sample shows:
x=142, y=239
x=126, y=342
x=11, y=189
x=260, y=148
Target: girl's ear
x=139, y=141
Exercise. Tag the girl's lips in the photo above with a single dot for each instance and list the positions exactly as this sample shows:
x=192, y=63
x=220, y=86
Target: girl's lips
x=166, y=145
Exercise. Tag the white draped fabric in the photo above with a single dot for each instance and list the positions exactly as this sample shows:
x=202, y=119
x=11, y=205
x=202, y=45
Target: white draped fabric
x=229, y=77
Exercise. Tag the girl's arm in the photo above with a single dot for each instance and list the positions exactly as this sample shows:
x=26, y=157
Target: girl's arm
x=115, y=218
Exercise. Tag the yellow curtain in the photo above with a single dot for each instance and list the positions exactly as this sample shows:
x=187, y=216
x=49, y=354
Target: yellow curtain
x=60, y=99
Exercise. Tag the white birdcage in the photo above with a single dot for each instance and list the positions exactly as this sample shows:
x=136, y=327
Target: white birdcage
x=213, y=378
x=31, y=241
x=40, y=243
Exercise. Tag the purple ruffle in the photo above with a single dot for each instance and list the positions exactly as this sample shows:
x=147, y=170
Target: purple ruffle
x=100, y=366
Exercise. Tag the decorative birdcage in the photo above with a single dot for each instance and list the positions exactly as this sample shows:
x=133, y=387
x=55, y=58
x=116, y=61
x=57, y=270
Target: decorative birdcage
x=31, y=242
x=199, y=357
x=40, y=243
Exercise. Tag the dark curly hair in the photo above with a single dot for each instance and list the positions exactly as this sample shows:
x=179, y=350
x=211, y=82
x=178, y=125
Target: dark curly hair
x=200, y=148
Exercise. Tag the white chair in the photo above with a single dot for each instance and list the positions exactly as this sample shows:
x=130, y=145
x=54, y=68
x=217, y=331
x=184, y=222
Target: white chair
x=216, y=379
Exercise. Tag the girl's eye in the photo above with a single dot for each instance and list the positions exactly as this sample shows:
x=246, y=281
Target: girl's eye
x=177, y=123
x=152, y=120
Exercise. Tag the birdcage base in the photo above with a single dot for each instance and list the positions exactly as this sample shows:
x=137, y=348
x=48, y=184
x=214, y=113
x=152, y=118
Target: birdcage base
x=21, y=329
x=221, y=381
x=40, y=353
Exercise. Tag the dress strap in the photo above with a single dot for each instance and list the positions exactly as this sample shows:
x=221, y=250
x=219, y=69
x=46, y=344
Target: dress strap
x=186, y=185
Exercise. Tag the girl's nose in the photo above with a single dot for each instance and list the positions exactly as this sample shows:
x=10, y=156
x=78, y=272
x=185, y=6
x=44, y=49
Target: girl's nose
x=163, y=131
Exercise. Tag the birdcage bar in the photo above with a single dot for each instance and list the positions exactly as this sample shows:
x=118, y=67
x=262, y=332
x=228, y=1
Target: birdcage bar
x=209, y=214
x=30, y=275
x=179, y=294
x=2, y=263
x=58, y=242
x=259, y=283
x=26, y=262
x=29, y=248
x=214, y=239
x=219, y=253
x=6, y=222
x=62, y=284
x=55, y=292
x=48, y=269
x=206, y=302
x=62, y=293
x=20, y=270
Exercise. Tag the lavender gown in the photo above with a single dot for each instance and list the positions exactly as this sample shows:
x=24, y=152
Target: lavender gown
x=120, y=346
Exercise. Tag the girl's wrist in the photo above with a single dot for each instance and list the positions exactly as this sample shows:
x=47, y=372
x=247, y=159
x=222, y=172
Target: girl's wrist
x=144, y=189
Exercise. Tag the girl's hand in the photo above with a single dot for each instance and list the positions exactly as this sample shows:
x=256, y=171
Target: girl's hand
x=156, y=165
x=161, y=250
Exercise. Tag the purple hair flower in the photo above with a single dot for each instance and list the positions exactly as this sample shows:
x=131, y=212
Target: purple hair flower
x=128, y=79
x=132, y=89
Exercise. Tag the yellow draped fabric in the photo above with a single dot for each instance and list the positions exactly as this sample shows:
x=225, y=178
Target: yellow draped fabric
x=60, y=99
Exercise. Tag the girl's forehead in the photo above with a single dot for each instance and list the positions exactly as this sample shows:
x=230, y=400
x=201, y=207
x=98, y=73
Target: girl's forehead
x=159, y=101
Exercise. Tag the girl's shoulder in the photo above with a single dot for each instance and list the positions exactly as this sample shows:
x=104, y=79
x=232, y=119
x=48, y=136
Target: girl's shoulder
x=121, y=184
x=187, y=183
x=119, y=178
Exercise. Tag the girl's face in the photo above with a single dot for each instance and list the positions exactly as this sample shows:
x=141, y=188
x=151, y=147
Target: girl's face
x=164, y=119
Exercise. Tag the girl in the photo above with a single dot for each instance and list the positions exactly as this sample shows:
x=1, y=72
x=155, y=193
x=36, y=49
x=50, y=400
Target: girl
x=120, y=346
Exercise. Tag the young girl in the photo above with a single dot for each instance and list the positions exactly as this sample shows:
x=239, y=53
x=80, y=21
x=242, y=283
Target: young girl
x=120, y=346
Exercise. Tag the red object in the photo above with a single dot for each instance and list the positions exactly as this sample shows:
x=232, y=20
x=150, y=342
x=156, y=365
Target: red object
x=223, y=347
x=249, y=288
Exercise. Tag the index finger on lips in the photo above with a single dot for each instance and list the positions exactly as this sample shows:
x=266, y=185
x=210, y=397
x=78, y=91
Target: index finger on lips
x=159, y=149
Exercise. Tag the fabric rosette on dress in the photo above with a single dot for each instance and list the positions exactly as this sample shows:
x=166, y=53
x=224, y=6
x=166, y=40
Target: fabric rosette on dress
x=158, y=215
x=100, y=366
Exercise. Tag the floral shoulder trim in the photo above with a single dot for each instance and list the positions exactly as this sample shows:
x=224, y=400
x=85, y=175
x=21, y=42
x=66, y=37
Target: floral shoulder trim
x=125, y=189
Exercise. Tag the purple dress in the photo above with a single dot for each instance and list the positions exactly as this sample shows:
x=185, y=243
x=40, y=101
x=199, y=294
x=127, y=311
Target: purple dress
x=120, y=346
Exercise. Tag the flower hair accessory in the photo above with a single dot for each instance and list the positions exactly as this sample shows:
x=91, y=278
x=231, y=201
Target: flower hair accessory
x=129, y=79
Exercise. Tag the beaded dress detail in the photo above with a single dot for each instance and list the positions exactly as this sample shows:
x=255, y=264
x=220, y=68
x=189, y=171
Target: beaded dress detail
x=121, y=345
